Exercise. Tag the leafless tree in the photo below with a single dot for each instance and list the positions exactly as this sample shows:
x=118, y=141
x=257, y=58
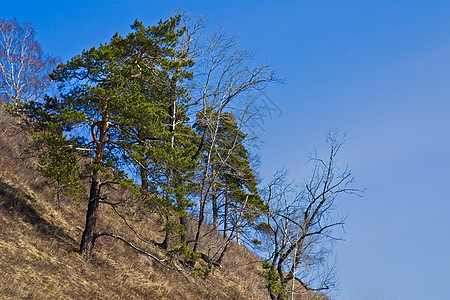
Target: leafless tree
x=24, y=67
x=297, y=232
x=224, y=76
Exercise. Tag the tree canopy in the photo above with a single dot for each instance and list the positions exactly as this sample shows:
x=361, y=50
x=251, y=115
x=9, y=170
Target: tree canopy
x=165, y=120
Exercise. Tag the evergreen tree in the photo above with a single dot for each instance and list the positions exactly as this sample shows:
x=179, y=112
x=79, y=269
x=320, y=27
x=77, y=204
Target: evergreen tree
x=227, y=177
x=113, y=107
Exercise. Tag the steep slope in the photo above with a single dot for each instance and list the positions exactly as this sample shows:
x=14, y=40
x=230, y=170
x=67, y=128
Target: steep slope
x=39, y=245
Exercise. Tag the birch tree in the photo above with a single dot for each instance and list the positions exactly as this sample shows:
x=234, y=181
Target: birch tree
x=24, y=67
x=225, y=79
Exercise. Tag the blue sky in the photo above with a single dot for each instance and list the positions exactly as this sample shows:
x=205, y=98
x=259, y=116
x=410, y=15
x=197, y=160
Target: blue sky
x=377, y=70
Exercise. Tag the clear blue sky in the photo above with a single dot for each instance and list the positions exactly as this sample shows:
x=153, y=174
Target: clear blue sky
x=376, y=70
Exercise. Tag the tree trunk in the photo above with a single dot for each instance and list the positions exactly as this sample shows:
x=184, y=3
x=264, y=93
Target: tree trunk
x=184, y=222
x=87, y=241
x=165, y=243
x=215, y=213
x=215, y=210
x=272, y=295
x=225, y=218
x=144, y=180
x=225, y=249
x=199, y=224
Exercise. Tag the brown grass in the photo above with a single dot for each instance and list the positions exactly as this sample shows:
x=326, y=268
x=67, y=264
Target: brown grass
x=39, y=245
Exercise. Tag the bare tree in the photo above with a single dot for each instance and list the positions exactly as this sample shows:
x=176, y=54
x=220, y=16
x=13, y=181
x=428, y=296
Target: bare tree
x=297, y=232
x=225, y=76
x=24, y=67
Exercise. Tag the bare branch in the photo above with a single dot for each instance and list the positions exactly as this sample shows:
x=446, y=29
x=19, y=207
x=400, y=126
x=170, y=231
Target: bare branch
x=24, y=67
x=301, y=223
x=139, y=250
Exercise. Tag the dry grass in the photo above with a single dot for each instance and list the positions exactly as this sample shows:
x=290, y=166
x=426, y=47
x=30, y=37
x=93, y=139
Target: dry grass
x=39, y=246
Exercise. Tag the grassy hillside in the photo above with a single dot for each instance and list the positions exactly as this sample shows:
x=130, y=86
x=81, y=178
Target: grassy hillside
x=39, y=245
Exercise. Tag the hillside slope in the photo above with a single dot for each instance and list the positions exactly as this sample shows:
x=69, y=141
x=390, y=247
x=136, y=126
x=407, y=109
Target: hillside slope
x=39, y=245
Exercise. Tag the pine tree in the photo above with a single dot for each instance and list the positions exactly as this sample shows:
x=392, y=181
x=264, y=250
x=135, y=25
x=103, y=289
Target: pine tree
x=227, y=179
x=113, y=107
